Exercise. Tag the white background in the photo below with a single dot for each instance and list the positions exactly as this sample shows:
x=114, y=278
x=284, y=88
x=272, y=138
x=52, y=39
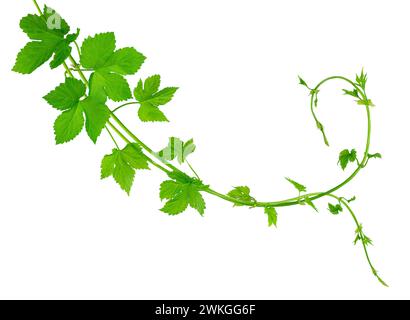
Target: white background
x=66, y=234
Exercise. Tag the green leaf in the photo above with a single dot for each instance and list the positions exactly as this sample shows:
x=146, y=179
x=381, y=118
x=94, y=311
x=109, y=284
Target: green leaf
x=361, y=79
x=49, y=35
x=123, y=174
x=150, y=87
x=347, y=156
x=298, y=186
x=374, y=156
x=335, y=209
x=168, y=189
x=147, y=94
x=149, y=113
x=196, y=201
x=97, y=50
x=108, y=165
x=310, y=203
x=66, y=95
x=353, y=93
x=367, y=241
x=352, y=199
x=177, y=149
x=303, y=82
x=242, y=194
x=367, y=103
x=98, y=53
x=272, y=216
x=69, y=125
x=126, y=61
x=112, y=85
x=180, y=195
x=134, y=156
x=121, y=164
x=97, y=114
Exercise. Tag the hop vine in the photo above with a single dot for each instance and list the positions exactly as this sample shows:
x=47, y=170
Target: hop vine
x=96, y=76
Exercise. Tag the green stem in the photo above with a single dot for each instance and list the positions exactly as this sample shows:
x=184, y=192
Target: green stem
x=38, y=7
x=112, y=137
x=192, y=169
x=373, y=269
x=124, y=105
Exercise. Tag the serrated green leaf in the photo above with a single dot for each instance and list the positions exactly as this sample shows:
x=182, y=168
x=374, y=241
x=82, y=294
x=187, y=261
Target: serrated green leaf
x=69, y=125
x=123, y=174
x=125, y=61
x=176, y=205
x=98, y=53
x=66, y=95
x=97, y=50
x=180, y=195
x=97, y=115
x=272, y=216
x=108, y=164
x=134, y=156
x=151, y=86
x=147, y=94
x=298, y=186
x=121, y=164
x=347, y=156
x=168, y=189
x=48, y=33
x=114, y=86
x=196, y=201
x=149, y=113
x=241, y=193
x=335, y=209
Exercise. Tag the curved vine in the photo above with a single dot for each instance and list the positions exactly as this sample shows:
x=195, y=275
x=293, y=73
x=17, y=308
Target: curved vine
x=82, y=99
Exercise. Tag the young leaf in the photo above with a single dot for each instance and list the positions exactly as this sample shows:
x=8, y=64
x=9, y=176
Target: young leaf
x=67, y=97
x=374, y=156
x=354, y=93
x=121, y=164
x=367, y=103
x=272, y=216
x=48, y=33
x=347, y=156
x=147, y=94
x=367, y=241
x=298, y=186
x=352, y=199
x=361, y=79
x=180, y=195
x=98, y=53
x=241, y=194
x=177, y=149
x=335, y=209
x=310, y=203
x=303, y=82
